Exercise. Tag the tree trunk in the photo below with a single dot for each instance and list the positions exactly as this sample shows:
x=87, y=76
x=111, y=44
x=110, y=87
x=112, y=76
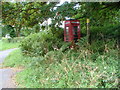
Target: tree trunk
x=18, y=31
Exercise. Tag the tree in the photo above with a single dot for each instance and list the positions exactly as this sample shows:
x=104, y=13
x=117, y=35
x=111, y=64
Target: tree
x=63, y=11
x=8, y=29
x=25, y=14
x=98, y=12
x=30, y=14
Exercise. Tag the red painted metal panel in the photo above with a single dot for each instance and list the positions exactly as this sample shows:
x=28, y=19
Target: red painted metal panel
x=73, y=29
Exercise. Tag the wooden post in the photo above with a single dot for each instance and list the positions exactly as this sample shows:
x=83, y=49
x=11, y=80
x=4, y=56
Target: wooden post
x=88, y=32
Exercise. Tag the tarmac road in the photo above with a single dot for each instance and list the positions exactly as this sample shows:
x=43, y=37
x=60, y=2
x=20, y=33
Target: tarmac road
x=6, y=74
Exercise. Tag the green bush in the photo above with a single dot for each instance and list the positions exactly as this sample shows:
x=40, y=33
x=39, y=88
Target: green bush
x=26, y=31
x=71, y=70
x=54, y=65
x=102, y=32
x=36, y=28
x=40, y=43
x=81, y=68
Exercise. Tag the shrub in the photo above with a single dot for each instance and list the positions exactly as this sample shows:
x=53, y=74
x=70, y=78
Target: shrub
x=36, y=28
x=26, y=31
x=81, y=68
x=72, y=71
x=40, y=43
x=88, y=66
x=104, y=32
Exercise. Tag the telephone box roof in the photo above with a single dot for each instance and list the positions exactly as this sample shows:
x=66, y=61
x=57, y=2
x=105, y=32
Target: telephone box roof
x=70, y=19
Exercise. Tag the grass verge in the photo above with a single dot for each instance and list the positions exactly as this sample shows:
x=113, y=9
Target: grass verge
x=7, y=45
x=16, y=59
x=66, y=70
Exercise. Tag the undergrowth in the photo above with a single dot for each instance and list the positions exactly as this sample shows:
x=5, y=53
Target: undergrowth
x=84, y=67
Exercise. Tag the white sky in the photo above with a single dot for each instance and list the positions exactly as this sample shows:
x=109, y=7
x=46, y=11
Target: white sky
x=62, y=1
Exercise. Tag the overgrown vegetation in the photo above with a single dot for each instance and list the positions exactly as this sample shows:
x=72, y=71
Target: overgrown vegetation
x=93, y=66
x=41, y=43
x=103, y=32
x=51, y=63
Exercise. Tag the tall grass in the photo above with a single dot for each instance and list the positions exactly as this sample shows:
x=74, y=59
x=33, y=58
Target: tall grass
x=85, y=67
x=72, y=72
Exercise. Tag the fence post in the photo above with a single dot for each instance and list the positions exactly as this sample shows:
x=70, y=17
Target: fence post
x=88, y=32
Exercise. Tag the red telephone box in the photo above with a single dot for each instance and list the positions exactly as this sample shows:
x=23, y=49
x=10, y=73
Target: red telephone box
x=71, y=30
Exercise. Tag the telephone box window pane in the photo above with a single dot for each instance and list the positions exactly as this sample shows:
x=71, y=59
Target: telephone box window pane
x=75, y=29
x=67, y=37
x=67, y=30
